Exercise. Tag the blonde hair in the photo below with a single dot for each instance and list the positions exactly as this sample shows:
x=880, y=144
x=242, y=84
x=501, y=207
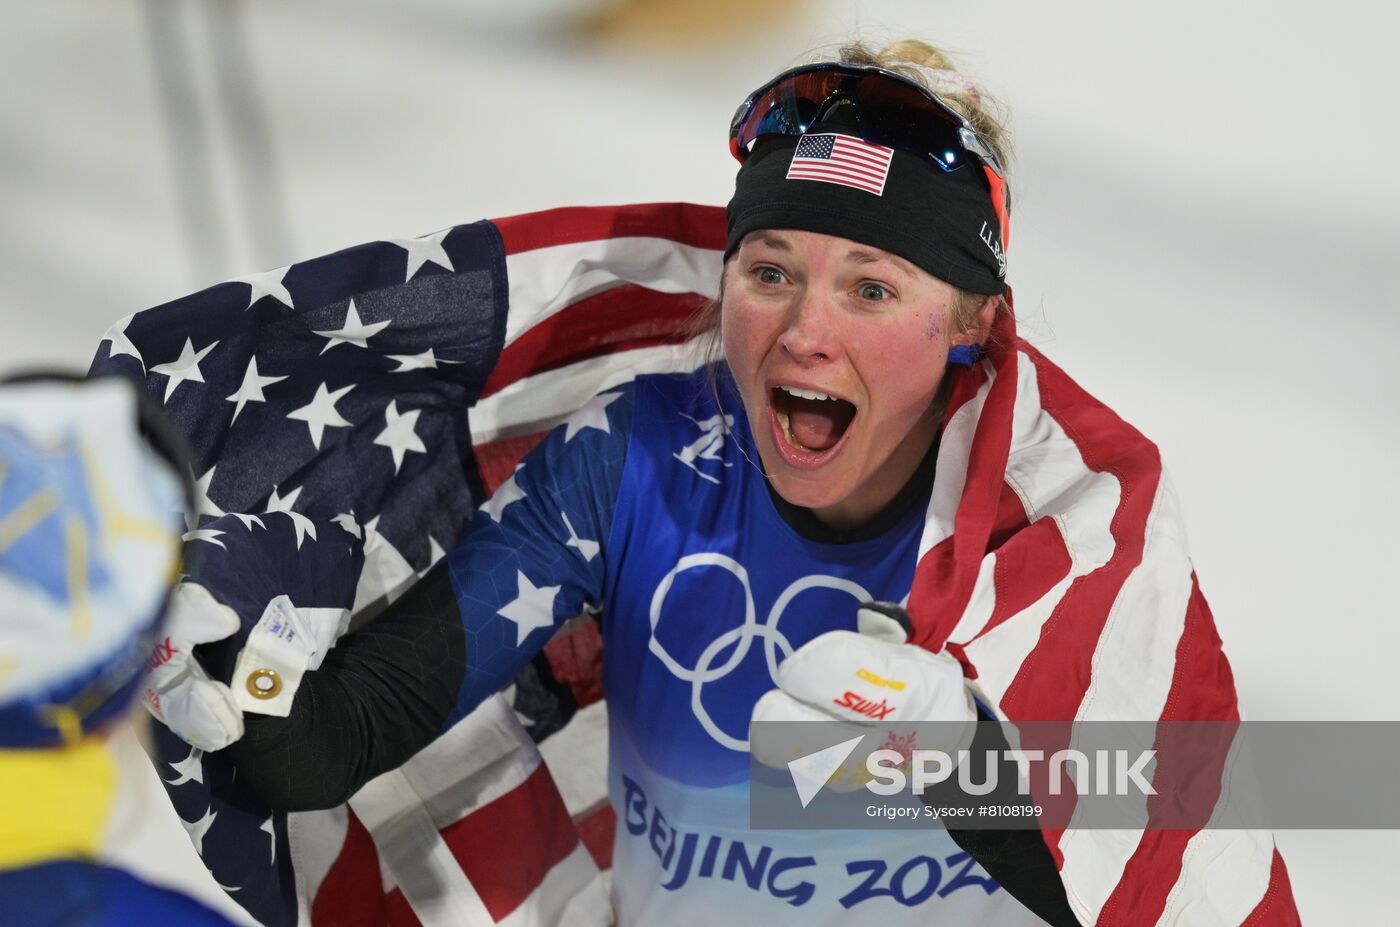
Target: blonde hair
x=932, y=68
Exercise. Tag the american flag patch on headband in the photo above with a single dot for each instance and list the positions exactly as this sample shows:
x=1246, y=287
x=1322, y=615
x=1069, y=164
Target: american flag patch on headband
x=842, y=159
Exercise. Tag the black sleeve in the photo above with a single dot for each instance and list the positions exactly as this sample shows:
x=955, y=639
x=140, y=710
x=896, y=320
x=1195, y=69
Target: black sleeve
x=386, y=691
x=383, y=693
x=1018, y=859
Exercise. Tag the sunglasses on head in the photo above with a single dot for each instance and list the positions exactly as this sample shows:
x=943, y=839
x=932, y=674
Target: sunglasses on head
x=887, y=109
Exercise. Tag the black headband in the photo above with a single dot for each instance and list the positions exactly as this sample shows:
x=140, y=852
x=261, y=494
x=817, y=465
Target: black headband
x=943, y=222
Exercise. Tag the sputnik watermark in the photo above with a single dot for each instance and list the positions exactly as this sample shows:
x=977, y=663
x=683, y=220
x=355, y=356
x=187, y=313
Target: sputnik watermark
x=1149, y=775
x=1097, y=772
x=1108, y=772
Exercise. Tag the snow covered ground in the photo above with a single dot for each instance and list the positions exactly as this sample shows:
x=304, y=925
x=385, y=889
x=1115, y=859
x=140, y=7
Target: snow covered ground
x=1206, y=208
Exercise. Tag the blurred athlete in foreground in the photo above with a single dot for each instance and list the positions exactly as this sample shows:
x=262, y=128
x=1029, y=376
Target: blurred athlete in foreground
x=89, y=545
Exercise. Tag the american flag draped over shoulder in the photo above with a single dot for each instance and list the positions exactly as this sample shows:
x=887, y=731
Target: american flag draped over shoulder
x=398, y=383
x=387, y=390
x=1053, y=564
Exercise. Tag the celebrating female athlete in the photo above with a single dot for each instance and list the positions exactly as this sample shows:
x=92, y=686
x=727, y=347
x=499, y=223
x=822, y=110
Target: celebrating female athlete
x=869, y=410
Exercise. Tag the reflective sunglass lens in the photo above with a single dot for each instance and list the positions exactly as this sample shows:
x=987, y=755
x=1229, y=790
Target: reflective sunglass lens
x=887, y=109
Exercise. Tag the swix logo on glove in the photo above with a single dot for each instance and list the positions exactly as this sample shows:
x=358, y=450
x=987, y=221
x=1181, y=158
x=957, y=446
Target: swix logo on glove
x=161, y=654
x=920, y=685
x=179, y=692
x=864, y=706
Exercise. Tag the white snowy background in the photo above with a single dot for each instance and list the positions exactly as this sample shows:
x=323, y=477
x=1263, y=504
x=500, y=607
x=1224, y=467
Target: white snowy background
x=1205, y=226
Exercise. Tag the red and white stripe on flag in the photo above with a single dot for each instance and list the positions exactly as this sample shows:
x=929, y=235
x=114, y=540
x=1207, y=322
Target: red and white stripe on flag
x=841, y=159
x=598, y=297
x=1067, y=593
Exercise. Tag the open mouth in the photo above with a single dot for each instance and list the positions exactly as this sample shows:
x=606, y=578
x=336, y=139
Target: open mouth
x=811, y=421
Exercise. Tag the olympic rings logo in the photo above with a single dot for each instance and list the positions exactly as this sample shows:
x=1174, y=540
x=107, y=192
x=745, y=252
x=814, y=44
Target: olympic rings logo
x=740, y=638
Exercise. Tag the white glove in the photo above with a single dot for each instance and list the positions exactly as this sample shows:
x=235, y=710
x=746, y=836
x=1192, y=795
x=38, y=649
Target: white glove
x=200, y=710
x=855, y=681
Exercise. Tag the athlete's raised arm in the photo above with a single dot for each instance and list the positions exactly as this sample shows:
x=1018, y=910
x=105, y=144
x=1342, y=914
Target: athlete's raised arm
x=531, y=559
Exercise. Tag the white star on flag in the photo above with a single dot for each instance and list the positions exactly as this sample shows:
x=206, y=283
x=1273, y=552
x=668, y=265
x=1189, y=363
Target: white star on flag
x=203, y=505
x=251, y=389
x=191, y=768
x=347, y=521
x=592, y=414
x=505, y=494
x=422, y=251
x=532, y=608
x=185, y=367
x=353, y=332
x=208, y=535
x=320, y=413
x=267, y=283
x=197, y=829
x=276, y=503
x=589, y=549
x=302, y=526
x=249, y=520
x=266, y=827
x=425, y=361
x=121, y=344
x=399, y=436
